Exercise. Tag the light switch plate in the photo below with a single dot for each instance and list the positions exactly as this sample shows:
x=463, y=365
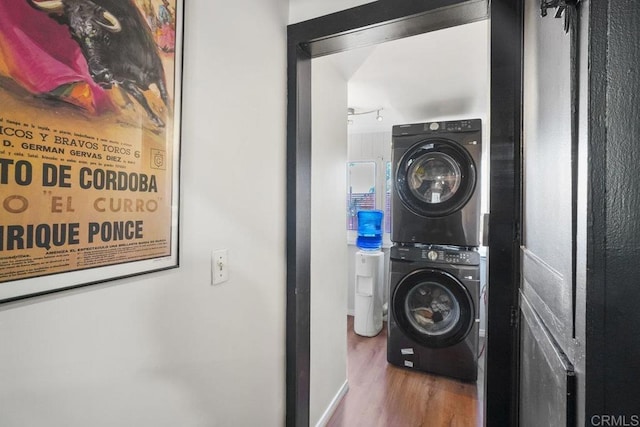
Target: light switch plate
x=219, y=267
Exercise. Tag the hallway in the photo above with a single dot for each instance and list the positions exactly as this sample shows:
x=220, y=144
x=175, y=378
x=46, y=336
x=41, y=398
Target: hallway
x=384, y=395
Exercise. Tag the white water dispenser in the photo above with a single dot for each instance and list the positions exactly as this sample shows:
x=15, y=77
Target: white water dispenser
x=367, y=319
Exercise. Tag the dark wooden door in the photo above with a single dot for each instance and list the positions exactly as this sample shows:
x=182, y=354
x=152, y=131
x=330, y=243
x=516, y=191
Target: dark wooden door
x=547, y=293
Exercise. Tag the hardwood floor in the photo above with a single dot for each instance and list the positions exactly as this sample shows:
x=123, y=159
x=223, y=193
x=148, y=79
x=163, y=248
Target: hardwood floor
x=382, y=395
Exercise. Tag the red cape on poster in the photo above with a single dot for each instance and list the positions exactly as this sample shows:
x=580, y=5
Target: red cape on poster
x=40, y=55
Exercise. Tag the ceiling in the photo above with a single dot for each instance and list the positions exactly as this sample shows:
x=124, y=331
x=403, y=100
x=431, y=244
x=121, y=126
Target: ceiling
x=434, y=76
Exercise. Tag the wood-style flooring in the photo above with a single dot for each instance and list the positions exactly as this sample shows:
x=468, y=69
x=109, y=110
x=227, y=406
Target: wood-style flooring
x=382, y=395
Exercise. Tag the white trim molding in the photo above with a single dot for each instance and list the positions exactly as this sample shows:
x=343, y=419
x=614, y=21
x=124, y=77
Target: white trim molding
x=324, y=419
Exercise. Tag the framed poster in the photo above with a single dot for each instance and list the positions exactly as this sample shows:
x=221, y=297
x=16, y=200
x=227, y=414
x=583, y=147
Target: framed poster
x=89, y=141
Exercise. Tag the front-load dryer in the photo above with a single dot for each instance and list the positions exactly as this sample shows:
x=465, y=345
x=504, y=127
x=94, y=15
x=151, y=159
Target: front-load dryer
x=433, y=323
x=436, y=183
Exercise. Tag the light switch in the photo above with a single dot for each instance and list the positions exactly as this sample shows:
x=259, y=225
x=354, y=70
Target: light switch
x=219, y=267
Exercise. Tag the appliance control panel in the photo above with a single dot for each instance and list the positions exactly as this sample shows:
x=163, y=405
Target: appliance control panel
x=460, y=126
x=438, y=127
x=436, y=254
x=462, y=257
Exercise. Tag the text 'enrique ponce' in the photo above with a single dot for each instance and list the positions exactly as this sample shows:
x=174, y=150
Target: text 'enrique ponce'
x=45, y=236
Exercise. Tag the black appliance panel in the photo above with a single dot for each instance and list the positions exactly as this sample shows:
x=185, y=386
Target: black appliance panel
x=433, y=310
x=436, y=183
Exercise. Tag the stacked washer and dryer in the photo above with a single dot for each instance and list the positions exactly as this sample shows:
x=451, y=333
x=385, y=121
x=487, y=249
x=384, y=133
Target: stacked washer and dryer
x=434, y=293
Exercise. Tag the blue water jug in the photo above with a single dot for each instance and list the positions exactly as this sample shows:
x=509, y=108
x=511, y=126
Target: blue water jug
x=369, y=230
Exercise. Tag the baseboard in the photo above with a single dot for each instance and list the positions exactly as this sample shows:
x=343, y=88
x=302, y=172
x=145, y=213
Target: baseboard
x=324, y=419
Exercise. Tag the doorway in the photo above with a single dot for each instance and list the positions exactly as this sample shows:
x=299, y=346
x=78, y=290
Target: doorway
x=436, y=76
x=367, y=25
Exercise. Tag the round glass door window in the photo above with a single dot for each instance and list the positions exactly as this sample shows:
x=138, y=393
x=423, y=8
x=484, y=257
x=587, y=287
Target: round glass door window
x=435, y=178
x=433, y=308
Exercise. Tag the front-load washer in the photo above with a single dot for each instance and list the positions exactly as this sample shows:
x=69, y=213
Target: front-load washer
x=433, y=318
x=436, y=183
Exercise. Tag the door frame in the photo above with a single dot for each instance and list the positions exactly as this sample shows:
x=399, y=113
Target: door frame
x=373, y=23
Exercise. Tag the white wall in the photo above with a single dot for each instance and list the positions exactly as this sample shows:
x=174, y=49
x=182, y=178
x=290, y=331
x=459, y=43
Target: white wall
x=302, y=10
x=168, y=349
x=328, y=251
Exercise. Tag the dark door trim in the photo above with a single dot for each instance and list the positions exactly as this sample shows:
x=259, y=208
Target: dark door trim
x=369, y=24
x=502, y=367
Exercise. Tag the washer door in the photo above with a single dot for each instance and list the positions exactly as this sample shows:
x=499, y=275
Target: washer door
x=435, y=178
x=433, y=308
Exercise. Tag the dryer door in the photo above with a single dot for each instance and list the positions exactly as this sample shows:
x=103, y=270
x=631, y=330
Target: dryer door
x=433, y=308
x=435, y=177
